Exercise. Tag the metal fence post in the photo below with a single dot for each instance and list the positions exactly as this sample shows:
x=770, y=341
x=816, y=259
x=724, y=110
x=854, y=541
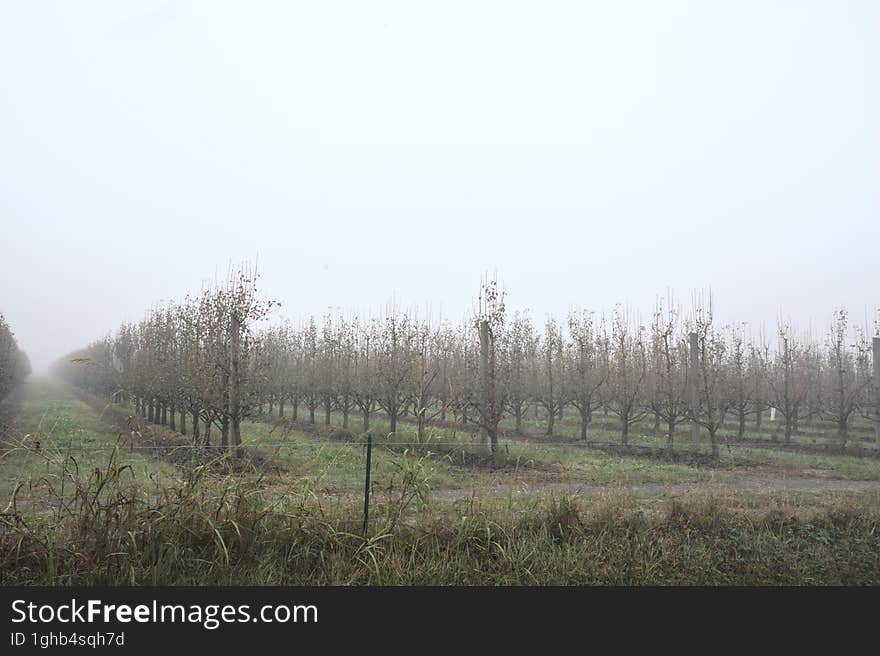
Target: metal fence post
x=367, y=481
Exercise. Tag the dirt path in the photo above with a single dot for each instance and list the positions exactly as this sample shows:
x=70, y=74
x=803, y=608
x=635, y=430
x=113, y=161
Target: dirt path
x=765, y=484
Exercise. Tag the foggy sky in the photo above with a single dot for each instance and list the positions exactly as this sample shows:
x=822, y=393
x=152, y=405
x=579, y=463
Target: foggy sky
x=589, y=152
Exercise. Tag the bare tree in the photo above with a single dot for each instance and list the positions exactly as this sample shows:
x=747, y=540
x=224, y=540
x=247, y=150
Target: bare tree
x=522, y=349
x=311, y=368
x=628, y=373
x=741, y=400
x=787, y=380
x=588, y=353
x=843, y=386
x=758, y=377
x=394, y=365
x=489, y=321
x=668, y=370
x=551, y=375
x=713, y=370
x=428, y=366
x=365, y=379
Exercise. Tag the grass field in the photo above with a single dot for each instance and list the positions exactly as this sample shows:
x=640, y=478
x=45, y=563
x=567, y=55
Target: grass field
x=92, y=498
x=57, y=436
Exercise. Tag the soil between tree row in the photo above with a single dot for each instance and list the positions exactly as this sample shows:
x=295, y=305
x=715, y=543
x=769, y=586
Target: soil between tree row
x=755, y=482
x=764, y=484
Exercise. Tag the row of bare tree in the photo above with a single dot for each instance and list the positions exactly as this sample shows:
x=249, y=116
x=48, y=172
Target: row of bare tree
x=193, y=366
x=14, y=363
x=204, y=359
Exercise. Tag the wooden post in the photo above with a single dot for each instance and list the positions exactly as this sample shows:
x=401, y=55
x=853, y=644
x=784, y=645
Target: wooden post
x=491, y=405
x=876, y=374
x=235, y=383
x=484, y=381
x=693, y=374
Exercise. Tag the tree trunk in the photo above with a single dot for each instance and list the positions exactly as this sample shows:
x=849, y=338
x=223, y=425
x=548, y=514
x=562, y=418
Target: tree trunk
x=392, y=419
x=182, y=421
x=714, y=441
x=420, y=426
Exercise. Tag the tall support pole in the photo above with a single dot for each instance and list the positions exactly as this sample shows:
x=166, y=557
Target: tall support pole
x=235, y=383
x=484, y=382
x=693, y=374
x=876, y=374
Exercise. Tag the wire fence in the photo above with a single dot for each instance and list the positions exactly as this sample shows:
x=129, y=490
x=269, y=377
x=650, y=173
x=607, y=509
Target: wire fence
x=620, y=448
x=474, y=445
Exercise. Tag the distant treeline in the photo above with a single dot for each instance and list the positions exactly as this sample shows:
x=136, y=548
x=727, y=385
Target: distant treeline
x=14, y=363
x=14, y=368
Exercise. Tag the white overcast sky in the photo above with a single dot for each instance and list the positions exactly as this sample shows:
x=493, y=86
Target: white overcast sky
x=589, y=152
